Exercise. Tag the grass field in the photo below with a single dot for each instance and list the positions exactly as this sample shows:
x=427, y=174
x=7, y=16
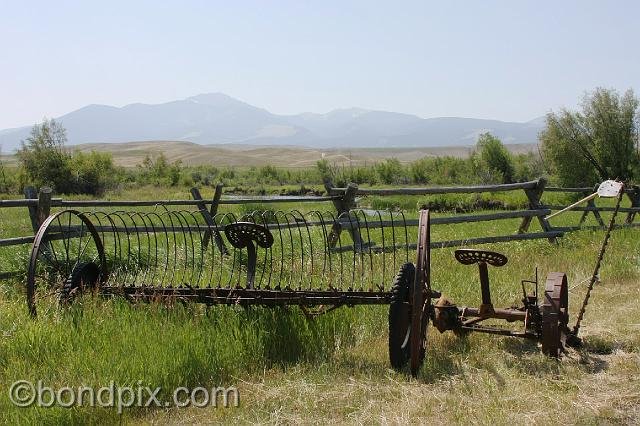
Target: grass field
x=335, y=368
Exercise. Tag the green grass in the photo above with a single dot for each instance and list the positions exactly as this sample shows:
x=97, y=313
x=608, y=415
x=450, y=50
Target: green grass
x=335, y=368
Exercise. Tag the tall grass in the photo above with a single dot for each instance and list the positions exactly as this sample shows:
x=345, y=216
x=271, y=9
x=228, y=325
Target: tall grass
x=334, y=368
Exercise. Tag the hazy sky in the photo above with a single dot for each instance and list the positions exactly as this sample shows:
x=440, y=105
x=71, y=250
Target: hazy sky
x=509, y=60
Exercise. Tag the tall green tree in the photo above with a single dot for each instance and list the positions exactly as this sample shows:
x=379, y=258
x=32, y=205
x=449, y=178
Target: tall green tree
x=598, y=143
x=495, y=156
x=44, y=159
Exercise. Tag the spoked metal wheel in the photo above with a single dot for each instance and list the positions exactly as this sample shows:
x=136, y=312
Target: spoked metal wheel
x=67, y=256
x=555, y=314
x=400, y=316
x=421, y=295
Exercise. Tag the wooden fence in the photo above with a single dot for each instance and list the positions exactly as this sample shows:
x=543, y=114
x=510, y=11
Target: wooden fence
x=39, y=204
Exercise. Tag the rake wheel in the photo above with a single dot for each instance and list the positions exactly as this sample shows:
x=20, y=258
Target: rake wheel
x=421, y=295
x=555, y=314
x=67, y=256
x=400, y=316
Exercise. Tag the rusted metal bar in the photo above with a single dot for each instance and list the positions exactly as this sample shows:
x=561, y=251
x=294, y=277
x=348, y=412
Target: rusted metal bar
x=234, y=296
x=498, y=313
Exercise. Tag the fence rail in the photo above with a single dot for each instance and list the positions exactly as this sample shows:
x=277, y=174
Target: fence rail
x=39, y=204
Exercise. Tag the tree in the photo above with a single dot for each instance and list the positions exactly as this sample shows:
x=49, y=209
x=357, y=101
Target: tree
x=598, y=143
x=44, y=158
x=495, y=156
x=93, y=172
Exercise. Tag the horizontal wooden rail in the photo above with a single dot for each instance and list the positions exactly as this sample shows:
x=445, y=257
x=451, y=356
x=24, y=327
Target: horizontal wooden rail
x=599, y=209
x=443, y=189
x=588, y=190
x=58, y=202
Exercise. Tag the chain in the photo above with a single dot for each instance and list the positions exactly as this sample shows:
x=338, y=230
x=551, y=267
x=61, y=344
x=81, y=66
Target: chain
x=594, y=277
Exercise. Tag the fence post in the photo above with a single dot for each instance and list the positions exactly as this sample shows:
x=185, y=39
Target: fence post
x=44, y=204
x=634, y=195
x=534, y=195
x=593, y=208
x=208, y=218
x=41, y=211
x=343, y=205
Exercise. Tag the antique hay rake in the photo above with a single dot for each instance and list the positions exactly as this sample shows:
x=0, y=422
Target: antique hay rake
x=262, y=258
x=318, y=261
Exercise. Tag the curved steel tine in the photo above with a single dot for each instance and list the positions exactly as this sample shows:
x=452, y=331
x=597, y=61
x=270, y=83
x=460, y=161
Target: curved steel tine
x=136, y=230
x=290, y=217
x=116, y=260
x=126, y=264
x=380, y=286
x=282, y=247
x=396, y=267
x=153, y=219
x=360, y=249
x=143, y=263
x=353, y=249
x=274, y=216
x=325, y=246
x=152, y=243
x=231, y=218
x=218, y=224
x=310, y=274
x=292, y=252
x=173, y=247
x=369, y=244
x=339, y=252
x=406, y=236
x=267, y=251
x=197, y=263
x=184, y=231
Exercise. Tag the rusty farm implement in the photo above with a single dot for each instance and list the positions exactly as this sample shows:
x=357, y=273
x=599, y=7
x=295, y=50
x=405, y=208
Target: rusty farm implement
x=318, y=261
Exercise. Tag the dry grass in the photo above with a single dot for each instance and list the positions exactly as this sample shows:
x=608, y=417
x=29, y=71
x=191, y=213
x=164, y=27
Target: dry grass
x=478, y=380
x=129, y=154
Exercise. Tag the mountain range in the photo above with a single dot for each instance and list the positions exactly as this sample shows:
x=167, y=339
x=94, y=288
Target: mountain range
x=216, y=118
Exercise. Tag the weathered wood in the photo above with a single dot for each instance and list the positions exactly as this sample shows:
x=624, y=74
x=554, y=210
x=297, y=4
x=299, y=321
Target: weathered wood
x=343, y=205
x=634, y=197
x=596, y=212
x=440, y=189
x=151, y=203
x=467, y=242
x=44, y=204
x=31, y=194
x=19, y=203
x=208, y=218
x=600, y=209
x=534, y=195
x=5, y=242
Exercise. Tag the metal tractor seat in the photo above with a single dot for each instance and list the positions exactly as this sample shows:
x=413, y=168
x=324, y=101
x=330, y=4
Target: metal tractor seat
x=482, y=258
x=243, y=234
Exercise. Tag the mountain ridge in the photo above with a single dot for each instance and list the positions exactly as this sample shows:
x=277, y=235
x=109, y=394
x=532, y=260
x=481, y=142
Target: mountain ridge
x=216, y=118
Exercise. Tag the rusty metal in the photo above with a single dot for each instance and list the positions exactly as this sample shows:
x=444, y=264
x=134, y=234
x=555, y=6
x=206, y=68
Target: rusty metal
x=279, y=258
x=573, y=339
x=274, y=257
x=555, y=314
x=62, y=261
x=420, y=295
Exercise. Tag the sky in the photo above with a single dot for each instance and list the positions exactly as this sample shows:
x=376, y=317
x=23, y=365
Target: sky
x=506, y=60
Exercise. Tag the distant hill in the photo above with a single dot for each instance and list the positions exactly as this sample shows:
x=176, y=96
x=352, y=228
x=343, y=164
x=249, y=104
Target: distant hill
x=216, y=118
x=130, y=154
